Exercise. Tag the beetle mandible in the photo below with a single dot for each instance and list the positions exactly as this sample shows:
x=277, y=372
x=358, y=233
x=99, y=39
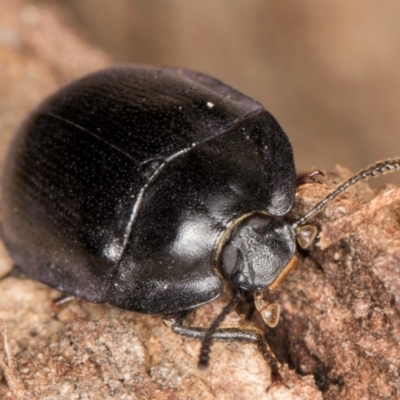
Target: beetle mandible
x=146, y=187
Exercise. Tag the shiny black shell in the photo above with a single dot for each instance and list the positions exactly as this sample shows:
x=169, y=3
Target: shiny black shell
x=119, y=186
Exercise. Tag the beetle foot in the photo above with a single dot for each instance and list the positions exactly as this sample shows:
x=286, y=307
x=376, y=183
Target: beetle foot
x=269, y=357
x=310, y=177
x=276, y=380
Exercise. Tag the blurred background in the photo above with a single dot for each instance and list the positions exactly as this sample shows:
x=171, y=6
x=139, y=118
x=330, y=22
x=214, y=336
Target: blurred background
x=328, y=71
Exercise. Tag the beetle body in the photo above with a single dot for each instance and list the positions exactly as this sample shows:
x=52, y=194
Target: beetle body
x=124, y=186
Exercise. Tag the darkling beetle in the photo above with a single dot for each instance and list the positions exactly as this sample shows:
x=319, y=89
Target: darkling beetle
x=146, y=187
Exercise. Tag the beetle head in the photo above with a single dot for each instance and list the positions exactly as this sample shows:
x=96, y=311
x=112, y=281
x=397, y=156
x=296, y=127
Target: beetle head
x=260, y=249
x=257, y=252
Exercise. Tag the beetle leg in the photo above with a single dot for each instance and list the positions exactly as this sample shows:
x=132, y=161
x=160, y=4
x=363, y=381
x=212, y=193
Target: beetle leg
x=62, y=300
x=57, y=303
x=249, y=335
x=309, y=177
x=15, y=272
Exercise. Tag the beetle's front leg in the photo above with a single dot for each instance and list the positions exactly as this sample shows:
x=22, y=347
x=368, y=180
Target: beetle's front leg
x=310, y=177
x=247, y=335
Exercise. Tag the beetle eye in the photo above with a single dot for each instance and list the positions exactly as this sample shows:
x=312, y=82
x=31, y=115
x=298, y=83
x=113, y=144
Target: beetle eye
x=230, y=258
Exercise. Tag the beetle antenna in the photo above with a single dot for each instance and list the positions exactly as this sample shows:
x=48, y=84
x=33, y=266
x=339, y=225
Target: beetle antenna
x=207, y=340
x=374, y=170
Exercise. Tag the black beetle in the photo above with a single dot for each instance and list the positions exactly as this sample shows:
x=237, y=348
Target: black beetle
x=145, y=187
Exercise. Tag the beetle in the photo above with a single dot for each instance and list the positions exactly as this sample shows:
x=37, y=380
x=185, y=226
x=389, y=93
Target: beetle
x=147, y=187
